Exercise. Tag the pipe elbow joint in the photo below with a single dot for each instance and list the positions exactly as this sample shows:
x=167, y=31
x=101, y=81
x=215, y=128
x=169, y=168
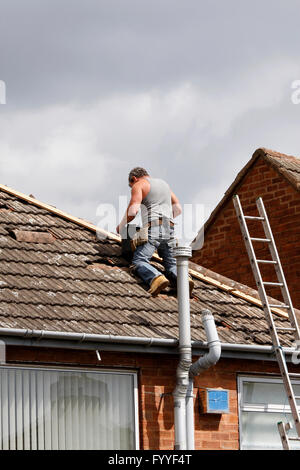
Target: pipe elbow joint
x=206, y=361
x=214, y=346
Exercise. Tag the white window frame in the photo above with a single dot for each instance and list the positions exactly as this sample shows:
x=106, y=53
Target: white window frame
x=97, y=371
x=263, y=408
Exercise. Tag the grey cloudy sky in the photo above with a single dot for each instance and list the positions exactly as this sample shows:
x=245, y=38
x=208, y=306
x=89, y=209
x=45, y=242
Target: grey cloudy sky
x=188, y=89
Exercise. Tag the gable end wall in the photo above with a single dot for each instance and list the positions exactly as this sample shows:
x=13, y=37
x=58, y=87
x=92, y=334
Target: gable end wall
x=224, y=251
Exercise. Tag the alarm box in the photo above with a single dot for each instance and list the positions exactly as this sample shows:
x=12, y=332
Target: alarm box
x=214, y=400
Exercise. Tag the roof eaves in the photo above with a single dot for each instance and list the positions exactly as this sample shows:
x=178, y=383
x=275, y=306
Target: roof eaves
x=56, y=339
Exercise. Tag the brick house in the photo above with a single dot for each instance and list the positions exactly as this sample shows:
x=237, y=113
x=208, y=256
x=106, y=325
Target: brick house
x=91, y=357
x=276, y=178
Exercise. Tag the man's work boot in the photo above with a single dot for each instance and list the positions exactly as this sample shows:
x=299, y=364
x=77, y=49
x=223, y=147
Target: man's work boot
x=158, y=284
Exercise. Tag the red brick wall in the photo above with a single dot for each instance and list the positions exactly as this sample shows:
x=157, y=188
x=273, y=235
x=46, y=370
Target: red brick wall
x=156, y=378
x=224, y=251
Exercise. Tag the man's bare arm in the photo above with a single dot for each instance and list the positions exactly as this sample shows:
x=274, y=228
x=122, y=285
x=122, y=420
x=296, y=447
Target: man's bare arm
x=176, y=207
x=133, y=206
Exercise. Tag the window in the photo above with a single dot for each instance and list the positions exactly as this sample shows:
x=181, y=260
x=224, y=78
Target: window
x=67, y=409
x=262, y=404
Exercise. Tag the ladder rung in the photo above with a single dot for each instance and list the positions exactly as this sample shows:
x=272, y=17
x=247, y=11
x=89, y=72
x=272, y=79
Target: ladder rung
x=294, y=438
x=260, y=240
x=291, y=374
x=278, y=306
x=253, y=218
x=273, y=284
x=267, y=261
x=285, y=329
x=297, y=398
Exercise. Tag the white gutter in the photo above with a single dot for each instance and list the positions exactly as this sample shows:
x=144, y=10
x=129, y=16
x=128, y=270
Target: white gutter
x=202, y=364
x=86, y=338
x=182, y=255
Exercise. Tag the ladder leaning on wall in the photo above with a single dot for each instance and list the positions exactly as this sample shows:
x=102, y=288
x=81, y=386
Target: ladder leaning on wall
x=261, y=284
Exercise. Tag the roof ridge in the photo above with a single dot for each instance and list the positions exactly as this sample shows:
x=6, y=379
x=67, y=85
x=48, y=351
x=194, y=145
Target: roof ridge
x=274, y=153
x=287, y=165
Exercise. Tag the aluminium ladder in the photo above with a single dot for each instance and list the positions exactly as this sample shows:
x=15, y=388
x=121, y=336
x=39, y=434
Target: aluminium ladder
x=286, y=375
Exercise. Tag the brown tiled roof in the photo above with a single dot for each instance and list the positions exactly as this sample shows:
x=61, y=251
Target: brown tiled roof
x=287, y=165
x=78, y=283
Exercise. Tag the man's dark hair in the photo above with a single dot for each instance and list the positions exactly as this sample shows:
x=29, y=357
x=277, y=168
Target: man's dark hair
x=137, y=172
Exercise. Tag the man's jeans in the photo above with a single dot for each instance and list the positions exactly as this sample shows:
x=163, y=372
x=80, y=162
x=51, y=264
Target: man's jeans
x=160, y=238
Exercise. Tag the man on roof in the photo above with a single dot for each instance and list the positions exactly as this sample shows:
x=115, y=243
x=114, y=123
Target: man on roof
x=159, y=206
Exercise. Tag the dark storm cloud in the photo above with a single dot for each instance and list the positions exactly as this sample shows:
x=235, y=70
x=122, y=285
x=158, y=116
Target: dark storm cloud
x=188, y=89
x=69, y=50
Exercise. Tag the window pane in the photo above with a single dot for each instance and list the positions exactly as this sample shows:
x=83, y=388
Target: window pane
x=50, y=409
x=263, y=393
x=259, y=431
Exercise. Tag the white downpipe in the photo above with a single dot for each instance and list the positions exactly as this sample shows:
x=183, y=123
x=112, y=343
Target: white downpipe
x=202, y=364
x=182, y=255
x=189, y=403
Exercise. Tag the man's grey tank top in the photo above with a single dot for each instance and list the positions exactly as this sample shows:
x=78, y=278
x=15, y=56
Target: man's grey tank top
x=158, y=202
